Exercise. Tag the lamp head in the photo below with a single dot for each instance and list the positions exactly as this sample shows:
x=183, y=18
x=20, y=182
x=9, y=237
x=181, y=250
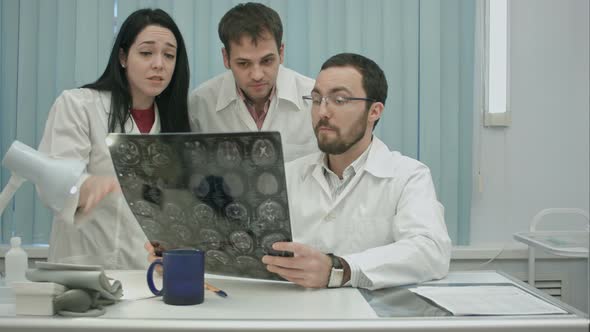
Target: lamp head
x=56, y=179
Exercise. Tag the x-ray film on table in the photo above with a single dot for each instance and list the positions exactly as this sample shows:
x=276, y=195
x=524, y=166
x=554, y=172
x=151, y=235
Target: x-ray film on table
x=224, y=194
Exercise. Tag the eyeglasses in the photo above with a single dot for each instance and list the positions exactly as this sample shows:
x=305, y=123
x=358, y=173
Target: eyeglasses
x=335, y=100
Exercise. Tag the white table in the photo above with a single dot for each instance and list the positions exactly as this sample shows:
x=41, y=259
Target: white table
x=248, y=299
x=569, y=243
x=255, y=306
x=560, y=243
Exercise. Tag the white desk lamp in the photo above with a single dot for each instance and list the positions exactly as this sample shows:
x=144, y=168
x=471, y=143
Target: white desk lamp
x=56, y=179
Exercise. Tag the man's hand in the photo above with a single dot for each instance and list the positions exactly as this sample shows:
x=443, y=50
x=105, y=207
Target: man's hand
x=94, y=189
x=308, y=267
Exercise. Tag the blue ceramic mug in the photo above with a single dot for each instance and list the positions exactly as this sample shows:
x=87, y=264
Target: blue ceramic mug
x=184, y=277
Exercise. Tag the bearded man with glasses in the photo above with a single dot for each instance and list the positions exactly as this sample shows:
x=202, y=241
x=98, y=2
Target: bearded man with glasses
x=361, y=215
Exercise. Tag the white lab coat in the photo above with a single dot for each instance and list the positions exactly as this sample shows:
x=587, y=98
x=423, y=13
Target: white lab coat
x=387, y=223
x=215, y=106
x=108, y=235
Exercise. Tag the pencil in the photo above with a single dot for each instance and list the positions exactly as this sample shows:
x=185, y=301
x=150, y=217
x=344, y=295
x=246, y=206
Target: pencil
x=214, y=289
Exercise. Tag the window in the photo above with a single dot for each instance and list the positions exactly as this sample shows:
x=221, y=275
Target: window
x=496, y=111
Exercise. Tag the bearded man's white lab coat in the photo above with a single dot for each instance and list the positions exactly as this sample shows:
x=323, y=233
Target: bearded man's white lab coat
x=387, y=222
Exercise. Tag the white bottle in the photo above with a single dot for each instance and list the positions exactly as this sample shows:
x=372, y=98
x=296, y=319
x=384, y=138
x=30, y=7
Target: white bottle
x=16, y=262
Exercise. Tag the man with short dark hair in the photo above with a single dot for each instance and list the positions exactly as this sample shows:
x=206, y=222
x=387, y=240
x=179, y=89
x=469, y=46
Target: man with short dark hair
x=361, y=215
x=257, y=92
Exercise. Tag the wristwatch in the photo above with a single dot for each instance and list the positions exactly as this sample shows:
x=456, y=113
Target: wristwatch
x=337, y=273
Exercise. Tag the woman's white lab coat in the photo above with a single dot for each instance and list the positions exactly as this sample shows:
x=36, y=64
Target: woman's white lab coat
x=108, y=235
x=387, y=223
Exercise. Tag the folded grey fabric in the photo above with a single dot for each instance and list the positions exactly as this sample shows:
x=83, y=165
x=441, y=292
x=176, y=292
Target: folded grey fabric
x=88, y=290
x=79, y=303
x=76, y=279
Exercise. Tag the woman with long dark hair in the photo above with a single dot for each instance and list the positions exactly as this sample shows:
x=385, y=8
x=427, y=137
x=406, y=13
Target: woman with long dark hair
x=142, y=90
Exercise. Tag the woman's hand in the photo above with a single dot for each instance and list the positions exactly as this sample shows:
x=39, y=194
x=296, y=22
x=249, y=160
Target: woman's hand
x=94, y=189
x=153, y=255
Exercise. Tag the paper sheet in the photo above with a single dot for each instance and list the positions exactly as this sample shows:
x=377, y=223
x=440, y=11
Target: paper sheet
x=487, y=300
x=466, y=278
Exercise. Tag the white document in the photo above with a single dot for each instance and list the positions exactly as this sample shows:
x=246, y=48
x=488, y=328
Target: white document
x=466, y=278
x=487, y=300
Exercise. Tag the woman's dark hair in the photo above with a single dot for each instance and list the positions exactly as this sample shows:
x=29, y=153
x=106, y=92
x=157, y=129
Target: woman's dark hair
x=172, y=102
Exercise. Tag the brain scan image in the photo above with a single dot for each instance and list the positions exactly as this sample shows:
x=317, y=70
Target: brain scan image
x=142, y=208
x=128, y=153
x=152, y=194
x=199, y=185
x=228, y=154
x=269, y=239
x=159, y=154
x=148, y=169
x=203, y=213
x=211, y=238
x=130, y=181
x=181, y=232
x=217, y=258
x=267, y=184
x=236, y=212
x=223, y=193
x=195, y=153
x=174, y=213
x=150, y=227
x=270, y=211
x=249, y=263
x=263, y=152
x=242, y=241
x=233, y=185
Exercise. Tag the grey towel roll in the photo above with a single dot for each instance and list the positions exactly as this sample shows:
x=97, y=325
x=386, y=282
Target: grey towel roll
x=75, y=279
x=88, y=290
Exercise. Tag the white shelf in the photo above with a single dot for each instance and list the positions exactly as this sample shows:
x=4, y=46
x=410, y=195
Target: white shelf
x=562, y=243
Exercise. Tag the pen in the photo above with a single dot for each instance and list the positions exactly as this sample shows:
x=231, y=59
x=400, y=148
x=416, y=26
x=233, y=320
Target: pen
x=214, y=289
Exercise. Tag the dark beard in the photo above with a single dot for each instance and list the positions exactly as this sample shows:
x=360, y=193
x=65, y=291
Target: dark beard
x=339, y=146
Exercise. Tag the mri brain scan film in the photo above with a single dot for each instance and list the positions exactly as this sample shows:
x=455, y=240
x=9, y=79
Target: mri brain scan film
x=224, y=194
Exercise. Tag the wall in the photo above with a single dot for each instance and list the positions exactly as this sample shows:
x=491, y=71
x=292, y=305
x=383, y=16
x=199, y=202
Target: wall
x=542, y=159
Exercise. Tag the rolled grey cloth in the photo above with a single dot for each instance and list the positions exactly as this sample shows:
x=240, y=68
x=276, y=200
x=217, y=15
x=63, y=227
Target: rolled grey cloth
x=78, y=303
x=88, y=291
x=77, y=279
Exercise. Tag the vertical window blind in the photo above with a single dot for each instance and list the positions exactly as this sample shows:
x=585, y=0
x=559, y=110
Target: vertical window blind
x=425, y=48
